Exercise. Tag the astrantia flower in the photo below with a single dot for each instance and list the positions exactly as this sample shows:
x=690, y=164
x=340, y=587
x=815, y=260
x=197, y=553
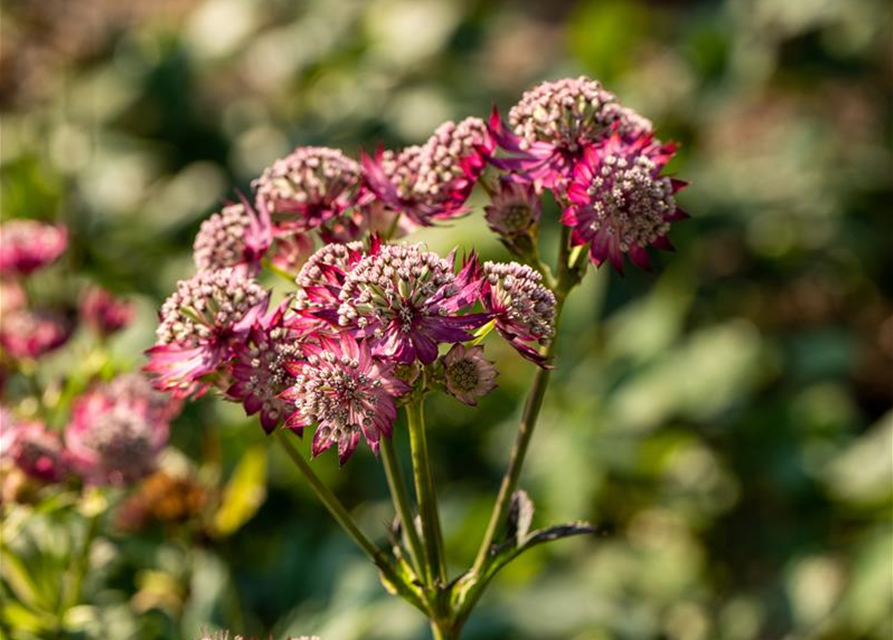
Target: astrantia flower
x=308, y=188
x=236, y=237
x=259, y=370
x=135, y=388
x=407, y=301
x=28, y=245
x=514, y=208
x=34, y=449
x=199, y=324
x=467, y=374
x=31, y=334
x=523, y=308
x=322, y=277
x=105, y=313
x=620, y=202
x=554, y=122
x=113, y=440
x=346, y=391
x=433, y=181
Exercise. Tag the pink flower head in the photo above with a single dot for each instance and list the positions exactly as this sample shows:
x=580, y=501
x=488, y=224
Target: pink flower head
x=259, y=370
x=433, y=181
x=34, y=449
x=135, y=388
x=114, y=440
x=199, y=324
x=236, y=237
x=31, y=334
x=554, y=122
x=311, y=188
x=524, y=309
x=620, y=203
x=346, y=391
x=514, y=208
x=407, y=301
x=105, y=313
x=322, y=277
x=467, y=374
x=28, y=245
x=12, y=297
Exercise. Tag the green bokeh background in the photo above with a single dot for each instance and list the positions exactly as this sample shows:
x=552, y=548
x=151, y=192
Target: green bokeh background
x=726, y=420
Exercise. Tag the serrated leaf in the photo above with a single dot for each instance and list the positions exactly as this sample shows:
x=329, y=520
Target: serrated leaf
x=244, y=493
x=520, y=517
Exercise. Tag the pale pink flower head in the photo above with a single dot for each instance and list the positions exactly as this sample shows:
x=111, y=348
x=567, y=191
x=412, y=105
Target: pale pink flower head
x=12, y=296
x=199, y=324
x=346, y=391
x=620, y=204
x=34, y=449
x=524, y=309
x=136, y=388
x=27, y=333
x=514, y=209
x=312, y=188
x=432, y=182
x=467, y=374
x=406, y=301
x=322, y=277
x=28, y=245
x=105, y=313
x=258, y=370
x=235, y=237
x=113, y=441
x=554, y=122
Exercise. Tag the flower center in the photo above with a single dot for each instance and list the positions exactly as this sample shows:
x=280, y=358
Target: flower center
x=463, y=375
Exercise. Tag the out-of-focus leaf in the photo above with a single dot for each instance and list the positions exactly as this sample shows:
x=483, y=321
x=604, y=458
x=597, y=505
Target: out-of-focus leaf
x=244, y=493
x=20, y=578
x=863, y=473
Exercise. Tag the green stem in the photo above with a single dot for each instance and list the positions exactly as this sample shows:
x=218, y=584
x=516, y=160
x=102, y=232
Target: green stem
x=424, y=486
x=81, y=565
x=403, y=507
x=445, y=632
x=331, y=502
x=343, y=517
x=566, y=280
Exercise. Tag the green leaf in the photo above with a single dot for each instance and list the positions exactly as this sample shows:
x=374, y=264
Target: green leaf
x=19, y=578
x=244, y=493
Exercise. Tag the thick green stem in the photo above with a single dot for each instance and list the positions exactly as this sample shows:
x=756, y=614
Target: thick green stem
x=403, y=507
x=424, y=486
x=343, y=517
x=445, y=631
x=331, y=502
x=567, y=278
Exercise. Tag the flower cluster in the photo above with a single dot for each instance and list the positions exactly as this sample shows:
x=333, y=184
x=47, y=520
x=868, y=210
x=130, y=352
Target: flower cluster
x=433, y=181
x=369, y=321
x=115, y=433
x=600, y=159
x=31, y=330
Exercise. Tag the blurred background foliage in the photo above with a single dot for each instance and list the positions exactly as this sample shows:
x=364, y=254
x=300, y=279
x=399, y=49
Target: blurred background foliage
x=727, y=421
